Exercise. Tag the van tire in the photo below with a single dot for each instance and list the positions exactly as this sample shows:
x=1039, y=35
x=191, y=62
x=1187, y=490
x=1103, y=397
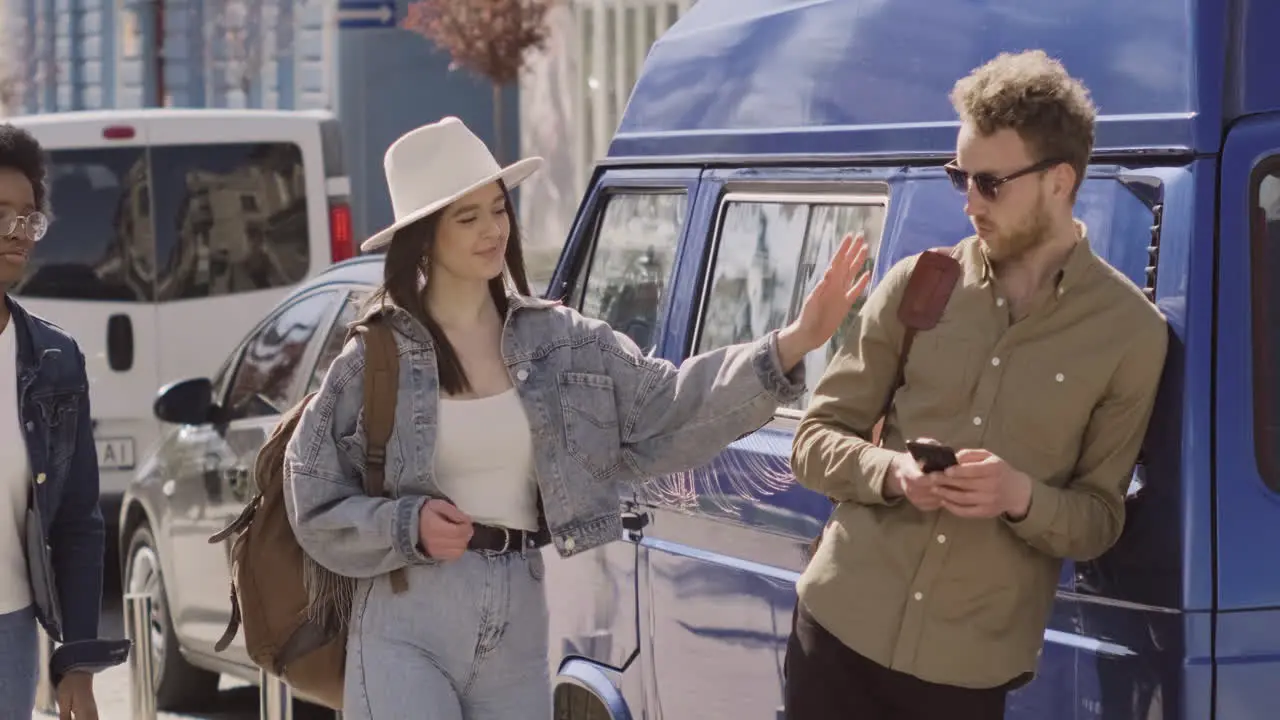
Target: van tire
x=179, y=684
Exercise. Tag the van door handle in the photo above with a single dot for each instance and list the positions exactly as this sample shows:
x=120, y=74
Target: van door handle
x=634, y=524
x=120, y=342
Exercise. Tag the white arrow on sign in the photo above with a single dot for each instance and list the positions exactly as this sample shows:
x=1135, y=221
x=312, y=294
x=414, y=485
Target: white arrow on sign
x=382, y=14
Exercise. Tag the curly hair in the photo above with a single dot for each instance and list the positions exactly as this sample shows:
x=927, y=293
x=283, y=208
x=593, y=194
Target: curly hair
x=19, y=150
x=1031, y=94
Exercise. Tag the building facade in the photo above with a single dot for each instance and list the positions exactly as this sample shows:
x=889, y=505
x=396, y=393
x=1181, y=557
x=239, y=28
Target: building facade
x=379, y=79
x=571, y=100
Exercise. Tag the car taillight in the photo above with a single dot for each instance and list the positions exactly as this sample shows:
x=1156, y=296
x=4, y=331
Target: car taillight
x=118, y=132
x=340, y=241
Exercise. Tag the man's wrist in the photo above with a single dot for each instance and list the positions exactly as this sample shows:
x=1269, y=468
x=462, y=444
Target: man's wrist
x=891, y=488
x=1020, y=498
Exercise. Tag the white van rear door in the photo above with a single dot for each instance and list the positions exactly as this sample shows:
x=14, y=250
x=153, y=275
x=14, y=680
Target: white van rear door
x=241, y=219
x=93, y=275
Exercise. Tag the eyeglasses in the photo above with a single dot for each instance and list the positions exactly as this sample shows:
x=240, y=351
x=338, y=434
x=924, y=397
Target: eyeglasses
x=34, y=224
x=988, y=185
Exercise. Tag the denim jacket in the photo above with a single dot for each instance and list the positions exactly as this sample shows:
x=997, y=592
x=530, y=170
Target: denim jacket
x=53, y=406
x=600, y=411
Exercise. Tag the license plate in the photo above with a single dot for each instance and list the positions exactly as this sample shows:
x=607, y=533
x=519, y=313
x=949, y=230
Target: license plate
x=115, y=453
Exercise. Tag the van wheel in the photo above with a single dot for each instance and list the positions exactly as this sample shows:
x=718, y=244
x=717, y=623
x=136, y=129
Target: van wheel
x=179, y=685
x=576, y=703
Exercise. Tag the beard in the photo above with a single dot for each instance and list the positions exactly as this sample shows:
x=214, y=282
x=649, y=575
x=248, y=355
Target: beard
x=1014, y=243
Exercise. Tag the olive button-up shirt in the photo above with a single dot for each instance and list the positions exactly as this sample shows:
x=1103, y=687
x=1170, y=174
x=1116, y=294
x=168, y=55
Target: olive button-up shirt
x=1064, y=394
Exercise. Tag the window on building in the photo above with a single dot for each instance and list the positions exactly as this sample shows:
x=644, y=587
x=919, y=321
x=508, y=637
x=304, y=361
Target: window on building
x=769, y=253
x=1265, y=268
x=631, y=260
x=264, y=380
x=230, y=218
x=99, y=245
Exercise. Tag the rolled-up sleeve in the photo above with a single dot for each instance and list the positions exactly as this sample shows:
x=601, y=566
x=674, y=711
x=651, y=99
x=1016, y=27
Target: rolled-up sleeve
x=335, y=521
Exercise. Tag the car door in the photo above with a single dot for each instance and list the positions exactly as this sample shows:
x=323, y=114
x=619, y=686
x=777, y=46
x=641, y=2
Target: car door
x=1247, y=420
x=726, y=541
x=618, y=267
x=267, y=377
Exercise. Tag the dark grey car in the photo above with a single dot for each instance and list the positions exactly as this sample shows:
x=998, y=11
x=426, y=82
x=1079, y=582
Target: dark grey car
x=199, y=478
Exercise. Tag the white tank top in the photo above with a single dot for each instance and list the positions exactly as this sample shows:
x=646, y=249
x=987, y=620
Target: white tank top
x=484, y=460
x=15, y=481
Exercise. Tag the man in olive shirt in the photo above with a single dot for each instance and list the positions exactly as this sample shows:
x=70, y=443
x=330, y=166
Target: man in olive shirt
x=929, y=594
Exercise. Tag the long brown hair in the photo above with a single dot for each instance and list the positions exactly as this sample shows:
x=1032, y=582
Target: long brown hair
x=407, y=259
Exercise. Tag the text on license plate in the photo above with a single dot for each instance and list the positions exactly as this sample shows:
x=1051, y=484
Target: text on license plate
x=115, y=453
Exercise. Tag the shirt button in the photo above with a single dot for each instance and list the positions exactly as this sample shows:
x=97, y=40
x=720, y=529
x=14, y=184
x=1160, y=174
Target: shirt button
x=1059, y=377
x=995, y=362
x=31, y=426
x=569, y=544
x=919, y=596
x=522, y=375
x=942, y=539
x=999, y=302
x=977, y=421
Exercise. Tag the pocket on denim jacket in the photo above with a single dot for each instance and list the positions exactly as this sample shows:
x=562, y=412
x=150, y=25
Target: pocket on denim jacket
x=592, y=433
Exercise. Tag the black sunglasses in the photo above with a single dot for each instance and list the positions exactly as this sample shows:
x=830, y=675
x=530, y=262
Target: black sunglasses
x=988, y=185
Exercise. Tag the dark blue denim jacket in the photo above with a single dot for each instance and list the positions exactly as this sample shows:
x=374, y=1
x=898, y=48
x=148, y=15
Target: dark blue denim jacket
x=53, y=404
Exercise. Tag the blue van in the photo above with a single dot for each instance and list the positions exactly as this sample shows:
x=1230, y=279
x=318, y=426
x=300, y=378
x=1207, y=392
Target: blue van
x=762, y=130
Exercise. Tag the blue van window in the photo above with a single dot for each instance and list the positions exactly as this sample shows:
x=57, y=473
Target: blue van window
x=1265, y=265
x=631, y=263
x=769, y=253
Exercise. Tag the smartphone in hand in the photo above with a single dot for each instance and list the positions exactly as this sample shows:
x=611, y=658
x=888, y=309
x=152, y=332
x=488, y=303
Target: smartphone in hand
x=931, y=456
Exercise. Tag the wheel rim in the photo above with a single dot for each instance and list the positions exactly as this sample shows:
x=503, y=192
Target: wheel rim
x=144, y=577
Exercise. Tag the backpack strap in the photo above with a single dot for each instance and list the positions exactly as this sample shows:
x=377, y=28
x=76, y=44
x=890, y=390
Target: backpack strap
x=381, y=386
x=923, y=302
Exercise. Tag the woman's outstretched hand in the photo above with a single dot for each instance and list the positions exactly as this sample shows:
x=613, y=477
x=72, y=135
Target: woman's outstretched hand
x=842, y=283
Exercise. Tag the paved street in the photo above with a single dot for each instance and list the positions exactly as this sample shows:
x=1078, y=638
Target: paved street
x=237, y=701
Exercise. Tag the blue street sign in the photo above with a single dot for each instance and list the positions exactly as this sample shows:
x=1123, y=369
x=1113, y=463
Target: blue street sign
x=366, y=14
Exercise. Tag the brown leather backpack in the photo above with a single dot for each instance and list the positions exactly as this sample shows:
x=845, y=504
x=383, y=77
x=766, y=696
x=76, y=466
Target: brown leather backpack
x=923, y=301
x=295, y=612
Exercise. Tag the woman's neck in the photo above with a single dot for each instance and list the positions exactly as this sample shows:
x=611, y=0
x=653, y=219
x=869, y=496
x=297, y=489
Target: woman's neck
x=458, y=303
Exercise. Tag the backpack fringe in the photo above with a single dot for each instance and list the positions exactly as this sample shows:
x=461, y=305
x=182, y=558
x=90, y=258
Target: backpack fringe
x=329, y=595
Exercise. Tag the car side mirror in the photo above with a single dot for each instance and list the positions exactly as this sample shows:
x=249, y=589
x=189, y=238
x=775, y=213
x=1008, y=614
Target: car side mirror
x=185, y=402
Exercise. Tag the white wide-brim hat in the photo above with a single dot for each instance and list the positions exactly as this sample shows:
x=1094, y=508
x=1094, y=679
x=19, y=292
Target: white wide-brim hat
x=430, y=167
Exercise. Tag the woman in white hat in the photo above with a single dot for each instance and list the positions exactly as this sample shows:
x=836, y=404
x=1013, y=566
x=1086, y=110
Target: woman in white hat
x=516, y=421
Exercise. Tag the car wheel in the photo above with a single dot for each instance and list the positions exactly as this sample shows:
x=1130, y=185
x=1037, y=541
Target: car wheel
x=179, y=684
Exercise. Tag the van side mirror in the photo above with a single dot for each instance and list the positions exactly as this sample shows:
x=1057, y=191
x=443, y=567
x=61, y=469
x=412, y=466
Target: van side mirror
x=185, y=402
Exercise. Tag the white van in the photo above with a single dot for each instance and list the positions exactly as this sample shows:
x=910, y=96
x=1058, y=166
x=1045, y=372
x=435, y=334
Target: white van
x=174, y=231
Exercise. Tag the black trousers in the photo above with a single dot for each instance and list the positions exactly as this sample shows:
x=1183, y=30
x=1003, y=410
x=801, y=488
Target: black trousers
x=825, y=680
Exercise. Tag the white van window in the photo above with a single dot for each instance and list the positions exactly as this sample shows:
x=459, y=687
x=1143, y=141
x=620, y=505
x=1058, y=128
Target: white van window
x=99, y=244
x=769, y=253
x=631, y=262
x=272, y=358
x=229, y=218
